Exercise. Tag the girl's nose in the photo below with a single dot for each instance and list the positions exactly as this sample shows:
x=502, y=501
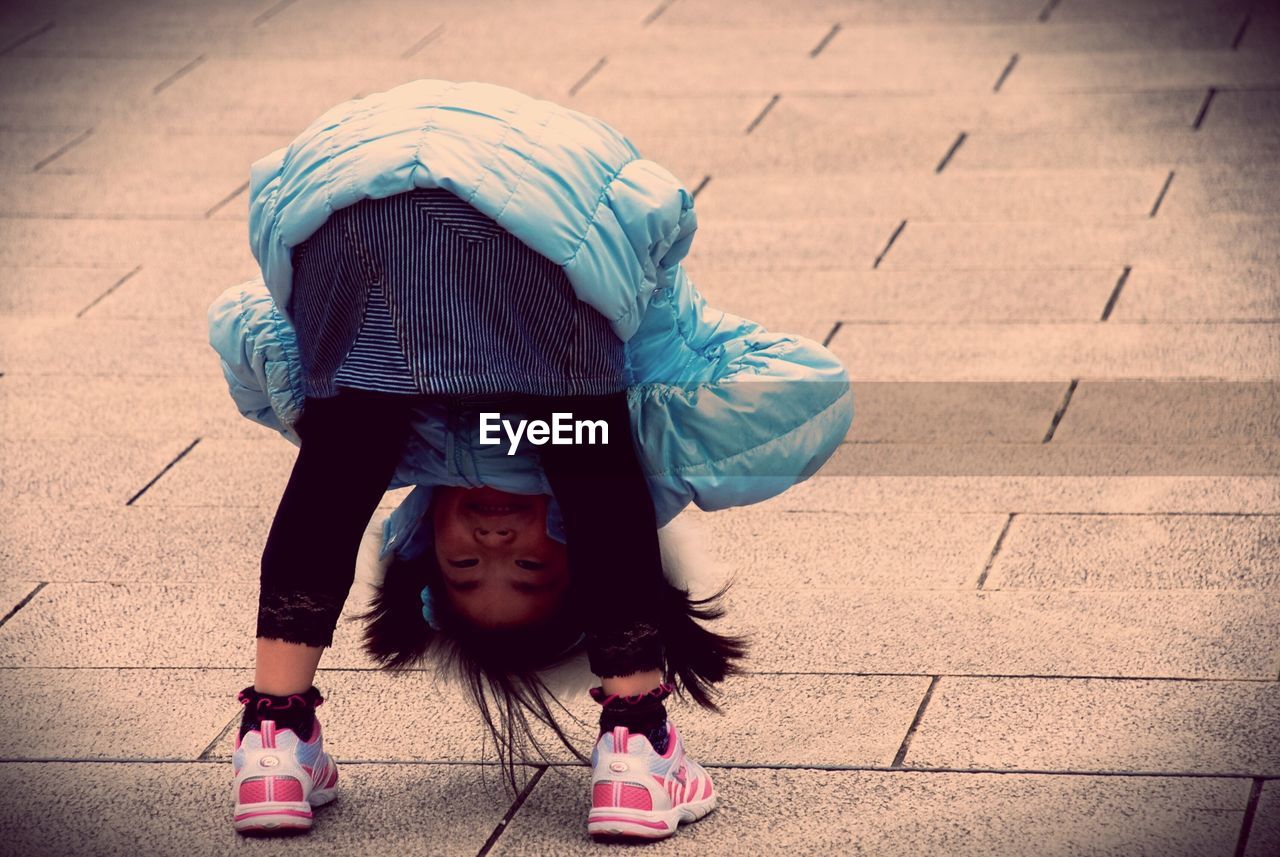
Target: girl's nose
x=494, y=537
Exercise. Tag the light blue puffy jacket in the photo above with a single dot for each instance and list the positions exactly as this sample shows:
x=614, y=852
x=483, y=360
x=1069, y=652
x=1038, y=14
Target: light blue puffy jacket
x=724, y=413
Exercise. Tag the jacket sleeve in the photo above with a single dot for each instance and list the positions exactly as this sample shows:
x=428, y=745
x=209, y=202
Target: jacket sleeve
x=727, y=413
x=258, y=351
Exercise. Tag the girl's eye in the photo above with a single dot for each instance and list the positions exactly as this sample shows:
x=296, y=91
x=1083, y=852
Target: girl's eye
x=529, y=565
x=463, y=563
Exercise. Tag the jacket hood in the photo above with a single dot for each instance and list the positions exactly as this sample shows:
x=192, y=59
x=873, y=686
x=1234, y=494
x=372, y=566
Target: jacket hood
x=566, y=184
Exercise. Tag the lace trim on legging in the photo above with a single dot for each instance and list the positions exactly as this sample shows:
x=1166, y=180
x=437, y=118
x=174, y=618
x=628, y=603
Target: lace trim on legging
x=632, y=648
x=299, y=617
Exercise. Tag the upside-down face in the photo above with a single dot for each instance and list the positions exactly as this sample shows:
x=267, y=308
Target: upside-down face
x=500, y=567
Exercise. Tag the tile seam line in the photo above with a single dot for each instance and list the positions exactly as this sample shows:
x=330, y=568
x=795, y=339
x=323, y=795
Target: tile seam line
x=995, y=551
x=161, y=474
x=1004, y=75
x=417, y=46
x=1047, y=11
x=586, y=78
x=1164, y=190
x=901, y=754
x=269, y=13
x=28, y=37
x=207, y=752
x=62, y=150
x=179, y=74
x=24, y=602
x=724, y=766
x=1250, y=813
x=826, y=40
x=226, y=200
x=773, y=99
x=657, y=13
x=512, y=810
x=1244, y=26
x=117, y=284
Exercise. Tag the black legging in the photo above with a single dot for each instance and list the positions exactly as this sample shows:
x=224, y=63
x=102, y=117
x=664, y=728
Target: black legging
x=350, y=445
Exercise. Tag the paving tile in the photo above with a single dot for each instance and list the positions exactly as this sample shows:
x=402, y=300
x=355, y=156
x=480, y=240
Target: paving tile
x=805, y=154
x=525, y=31
x=97, y=808
x=1090, y=149
x=801, y=73
x=1127, y=552
x=20, y=21
x=1172, y=412
x=799, y=113
x=156, y=348
x=76, y=473
x=99, y=716
x=1057, y=494
x=53, y=291
x=31, y=79
x=134, y=195
x=1201, y=634
x=817, y=550
x=170, y=39
x=926, y=412
x=228, y=473
x=1037, y=352
x=158, y=544
x=1216, y=294
x=1168, y=243
x=1072, y=195
x=196, y=544
x=766, y=245
x=232, y=13
x=1264, y=835
x=13, y=591
x=876, y=11
x=1101, y=10
x=371, y=716
x=238, y=84
x=643, y=117
x=908, y=296
x=781, y=38
x=1224, y=191
x=122, y=243
x=21, y=151
x=152, y=625
x=166, y=156
x=38, y=407
x=1249, y=107
x=1203, y=31
x=1039, y=72
x=1227, y=635
x=911, y=813
x=1040, y=459
x=1100, y=725
x=177, y=293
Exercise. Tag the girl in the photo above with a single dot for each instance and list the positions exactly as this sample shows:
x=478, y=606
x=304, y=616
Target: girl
x=441, y=254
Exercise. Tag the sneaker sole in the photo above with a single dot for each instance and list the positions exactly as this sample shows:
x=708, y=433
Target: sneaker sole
x=639, y=824
x=280, y=817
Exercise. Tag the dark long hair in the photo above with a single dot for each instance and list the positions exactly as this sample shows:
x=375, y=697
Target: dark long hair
x=504, y=663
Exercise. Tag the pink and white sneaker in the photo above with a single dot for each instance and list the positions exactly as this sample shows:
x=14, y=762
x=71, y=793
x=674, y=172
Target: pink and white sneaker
x=637, y=793
x=279, y=779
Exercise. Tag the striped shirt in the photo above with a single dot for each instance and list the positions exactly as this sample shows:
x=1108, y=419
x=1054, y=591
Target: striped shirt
x=420, y=293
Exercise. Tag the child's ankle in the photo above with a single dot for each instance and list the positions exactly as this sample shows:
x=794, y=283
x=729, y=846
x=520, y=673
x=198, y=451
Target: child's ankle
x=296, y=711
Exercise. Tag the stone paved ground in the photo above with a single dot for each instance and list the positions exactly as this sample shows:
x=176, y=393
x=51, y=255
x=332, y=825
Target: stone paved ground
x=1029, y=607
